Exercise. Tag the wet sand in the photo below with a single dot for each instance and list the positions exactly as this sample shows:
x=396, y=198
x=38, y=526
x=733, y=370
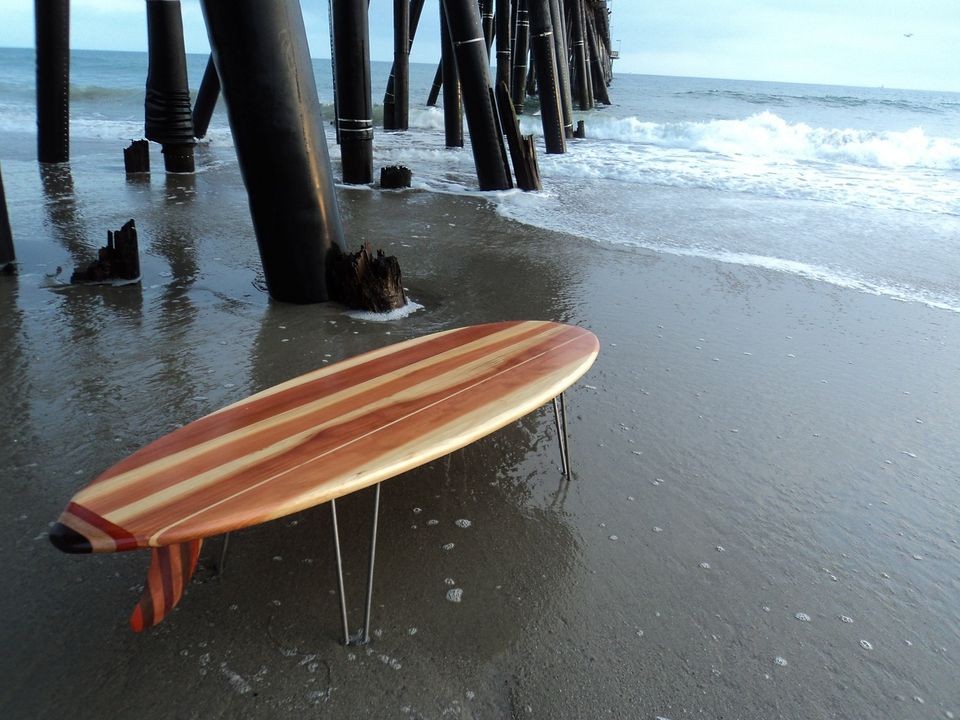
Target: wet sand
x=762, y=521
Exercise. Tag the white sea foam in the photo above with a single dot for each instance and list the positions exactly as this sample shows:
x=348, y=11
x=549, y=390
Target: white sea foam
x=766, y=134
x=411, y=307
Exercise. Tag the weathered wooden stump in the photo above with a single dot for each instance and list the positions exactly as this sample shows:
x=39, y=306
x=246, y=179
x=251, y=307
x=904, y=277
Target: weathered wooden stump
x=119, y=260
x=136, y=158
x=523, y=152
x=364, y=282
x=393, y=177
x=581, y=131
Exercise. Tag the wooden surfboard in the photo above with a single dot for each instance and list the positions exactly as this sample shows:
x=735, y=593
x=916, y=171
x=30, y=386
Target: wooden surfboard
x=315, y=438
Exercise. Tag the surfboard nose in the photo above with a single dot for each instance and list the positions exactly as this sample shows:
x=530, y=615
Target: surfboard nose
x=69, y=540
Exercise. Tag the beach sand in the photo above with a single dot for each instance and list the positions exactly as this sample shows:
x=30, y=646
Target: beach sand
x=762, y=520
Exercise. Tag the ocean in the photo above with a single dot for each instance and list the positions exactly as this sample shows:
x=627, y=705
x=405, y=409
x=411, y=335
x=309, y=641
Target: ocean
x=856, y=187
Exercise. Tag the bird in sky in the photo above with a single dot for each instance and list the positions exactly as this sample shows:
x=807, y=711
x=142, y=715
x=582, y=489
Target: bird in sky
x=908, y=34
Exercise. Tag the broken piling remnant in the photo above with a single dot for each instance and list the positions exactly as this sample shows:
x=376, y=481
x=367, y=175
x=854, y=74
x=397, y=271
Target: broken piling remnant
x=363, y=281
x=351, y=67
x=136, y=158
x=523, y=151
x=473, y=66
x=394, y=177
x=168, y=119
x=206, y=100
x=7, y=257
x=52, y=18
x=263, y=62
x=119, y=260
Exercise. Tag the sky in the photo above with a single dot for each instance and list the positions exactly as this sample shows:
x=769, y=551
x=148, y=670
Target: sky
x=893, y=43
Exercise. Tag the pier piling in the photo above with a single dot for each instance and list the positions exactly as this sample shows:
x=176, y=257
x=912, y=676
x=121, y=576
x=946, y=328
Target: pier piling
x=401, y=65
x=167, y=116
x=502, y=23
x=581, y=76
x=351, y=66
x=545, y=67
x=52, y=19
x=452, y=93
x=473, y=66
x=521, y=49
x=260, y=50
x=206, y=100
x=7, y=256
x=562, y=65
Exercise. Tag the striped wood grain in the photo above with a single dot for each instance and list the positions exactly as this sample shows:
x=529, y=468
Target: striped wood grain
x=326, y=434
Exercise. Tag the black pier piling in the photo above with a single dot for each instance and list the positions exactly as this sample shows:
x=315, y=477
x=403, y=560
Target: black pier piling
x=168, y=118
x=521, y=49
x=206, y=100
x=53, y=80
x=502, y=22
x=543, y=50
x=263, y=62
x=391, y=95
x=452, y=92
x=401, y=65
x=7, y=257
x=473, y=65
x=351, y=67
x=563, y=66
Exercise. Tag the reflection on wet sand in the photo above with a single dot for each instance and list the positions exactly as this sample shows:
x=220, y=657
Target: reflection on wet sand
x=65, y=213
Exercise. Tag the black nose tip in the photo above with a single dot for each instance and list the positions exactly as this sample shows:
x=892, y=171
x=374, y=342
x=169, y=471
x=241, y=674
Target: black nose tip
x=69, y=540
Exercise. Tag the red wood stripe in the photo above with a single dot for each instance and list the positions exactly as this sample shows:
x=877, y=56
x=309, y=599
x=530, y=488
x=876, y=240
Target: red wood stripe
x=341, y=433
x=122, y=539
x=171, y=568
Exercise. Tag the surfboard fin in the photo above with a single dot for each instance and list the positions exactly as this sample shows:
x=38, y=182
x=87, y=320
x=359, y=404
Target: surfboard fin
x=171, y=568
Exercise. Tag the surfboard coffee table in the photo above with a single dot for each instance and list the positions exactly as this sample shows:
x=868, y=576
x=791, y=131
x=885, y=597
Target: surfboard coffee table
x=318, y=437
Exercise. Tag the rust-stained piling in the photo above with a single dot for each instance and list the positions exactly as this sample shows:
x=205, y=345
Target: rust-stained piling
x=351, y=66
x=263, y=62
x=53, y=80
x=206, y=100
x=473, y=66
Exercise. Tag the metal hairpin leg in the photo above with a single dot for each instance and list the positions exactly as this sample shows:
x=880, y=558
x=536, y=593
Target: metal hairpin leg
x=560, y=413
x=364, y=637
x=223, y=553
